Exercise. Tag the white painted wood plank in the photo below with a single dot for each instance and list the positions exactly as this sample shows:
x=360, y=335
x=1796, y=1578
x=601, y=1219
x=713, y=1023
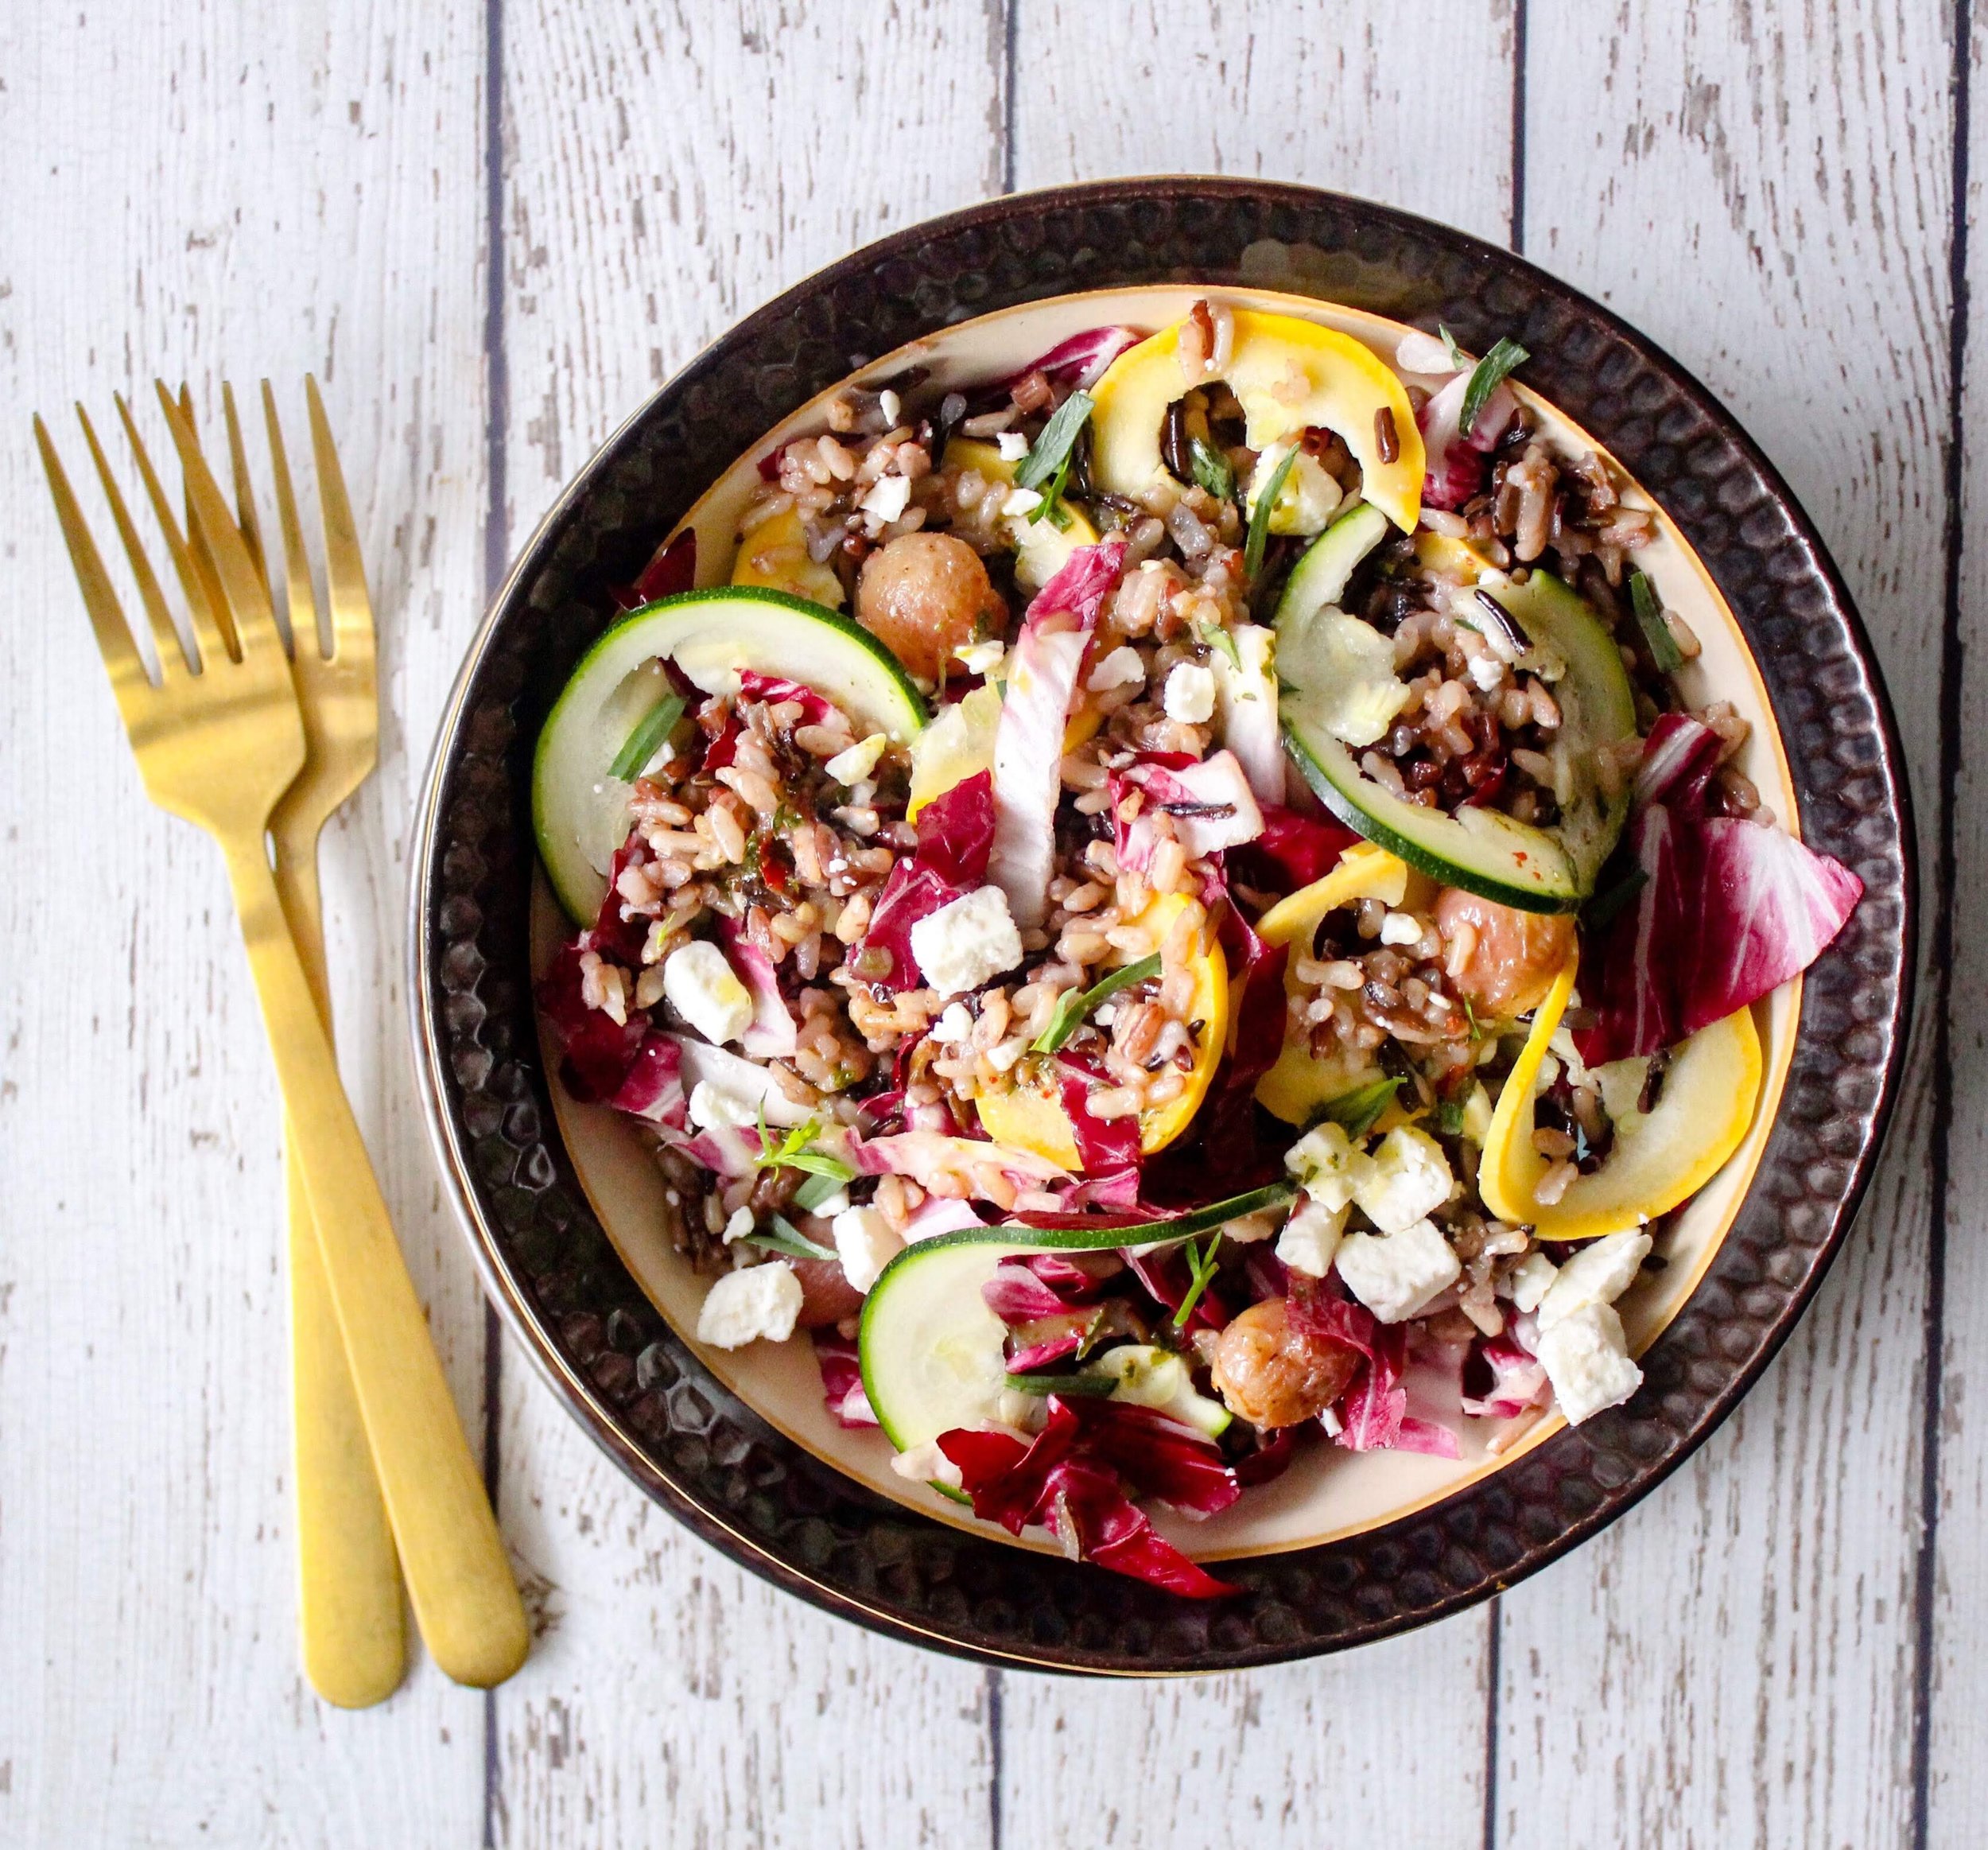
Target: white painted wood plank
x=1345, y=99
x=1277, y=1756
x=1767, y=196
x=667, y=168
x=1958, y=1787
x=193, y=191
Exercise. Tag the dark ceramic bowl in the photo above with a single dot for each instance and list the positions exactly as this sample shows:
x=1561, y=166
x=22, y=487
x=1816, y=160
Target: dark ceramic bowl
x=773, y=1504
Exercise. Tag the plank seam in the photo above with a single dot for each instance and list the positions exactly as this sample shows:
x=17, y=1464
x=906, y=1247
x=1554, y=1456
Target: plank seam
x=1940, y=1140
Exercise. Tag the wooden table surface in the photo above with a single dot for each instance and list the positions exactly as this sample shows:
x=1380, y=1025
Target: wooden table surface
x=492, y=230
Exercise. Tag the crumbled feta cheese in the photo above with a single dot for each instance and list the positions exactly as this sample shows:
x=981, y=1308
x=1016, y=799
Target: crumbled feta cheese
x=744, y=1306
x=1325, y=1160
x=1586, y=1358
x=1394, y=1275
x=1598, y=1274
x=1190, y=694
x=830, y=1205
x=980, y=658
x=1309, y=498
x=1012, y=445
x=703, y=989
x=888, y=497
x=1529, y=1281
x=926, y=1464
x=1407, y=1177
x=962, y=945
x=954, y=1026
x=740, y=1224
x=1477, y=1115
x=852, y=765
x=1401, y=928
x=1021, y=503
x=1007, y=1053
x=1486, y=670
x=1121, y=668
x=711, y=1108
x=1310, y=1239
x=864, y=1244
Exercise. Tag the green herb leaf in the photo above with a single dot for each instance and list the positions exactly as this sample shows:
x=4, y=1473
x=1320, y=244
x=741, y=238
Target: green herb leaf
x=1260, y=518
x=819, y=1188
x=651, y=729
x=1051, y=450
x=1096, y=1385
x=1450, y=1115
x=1602, y=908
x=1216, y=635
x=1211, y=468
x=1357, y=1112
x=783, y=1237
x=1450, y=343
x=1470, y=1015
x=1489, y=374
x=1074, y=1005
x=1052, y=509
x=1201, y=1263
x=794, y=1151
x=1656, y=632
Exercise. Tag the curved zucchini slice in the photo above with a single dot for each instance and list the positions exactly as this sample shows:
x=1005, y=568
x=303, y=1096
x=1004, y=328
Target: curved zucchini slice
x=932, y=1349
x=580, y=809
x=1535, y=869
x=1319, y=577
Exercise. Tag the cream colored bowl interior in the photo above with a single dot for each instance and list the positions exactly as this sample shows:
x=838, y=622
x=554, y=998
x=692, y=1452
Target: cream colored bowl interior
x=1329, y=1493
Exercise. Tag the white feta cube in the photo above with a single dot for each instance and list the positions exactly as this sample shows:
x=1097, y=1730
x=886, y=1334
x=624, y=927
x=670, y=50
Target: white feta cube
x=1396, y=1275
x=1598, y=1274
x=1310, y=1239
x=954, y=1026
x=741, y=1224
x=1190, y=694
x=888, y=498
x=967, y=943
x=855, y=764
x=1586, y=1358
x=864, y=1244
x=1407, y=1178
x=830, y=1205
x=1021, y=503
x=1401, y=928
x=980, y=657
x=705, y=991
x=926, y=1464
x=1121, y=668
x=1325, y=1160
x=1309, y=497
x=1529, y=1281
x=713, y=1108
x=755, y=1302
x=1012, y=445
x=1487, y=671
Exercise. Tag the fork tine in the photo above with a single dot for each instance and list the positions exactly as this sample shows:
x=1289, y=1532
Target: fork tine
x=247, y=595
x=165, y=636
x=129, y=681
x=297, y=564
x=207, y=632
x=344, y=569
x=246, y=517
x=203, y=553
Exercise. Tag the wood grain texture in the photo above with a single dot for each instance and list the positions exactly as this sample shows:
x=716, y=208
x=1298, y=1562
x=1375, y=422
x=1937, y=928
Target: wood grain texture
x=192, y=192
x=1733, y=1663
x=667, y=168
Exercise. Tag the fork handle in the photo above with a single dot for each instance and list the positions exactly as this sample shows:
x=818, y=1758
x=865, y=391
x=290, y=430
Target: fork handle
x=459, y=1579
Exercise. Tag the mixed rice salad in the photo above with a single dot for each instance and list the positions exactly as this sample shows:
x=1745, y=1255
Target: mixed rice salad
x=1185, y=905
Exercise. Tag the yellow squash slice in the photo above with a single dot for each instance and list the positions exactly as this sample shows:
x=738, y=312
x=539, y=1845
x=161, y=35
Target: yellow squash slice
x=1030, y=1118
x=1042, y=548
x=775, y=555
x=1289, y=375
x=1710, y=1091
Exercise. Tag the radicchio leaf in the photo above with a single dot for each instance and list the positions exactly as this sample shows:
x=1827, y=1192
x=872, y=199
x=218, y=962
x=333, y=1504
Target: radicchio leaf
x=771, y=1034
x=773, y=692
x=956, y=833
x=1291, y=850
x=1518, y=1380
x=673, y=569
x=1081, y=360
x=842, y=1380
x=1210, y=804
x=1456, y=458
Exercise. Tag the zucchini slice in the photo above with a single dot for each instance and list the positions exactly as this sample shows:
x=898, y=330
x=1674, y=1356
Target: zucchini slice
x=580, y=809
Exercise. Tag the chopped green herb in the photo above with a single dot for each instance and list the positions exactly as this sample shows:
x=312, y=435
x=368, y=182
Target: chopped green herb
x=1656, y=632
x=1489, y=374
x=1449, y=343
x=651, y=729
x=1098, y=1385
x=1211, y=468
x=1602, y=908
x=1052, y=509
x=794, y=1151
x=1074, y=1005
x=819, y=1188
x=1201, y=1263
x=1471, y=1014
x=1357, y=1112
x=783, y=1236
x=1449, y=1116
x=1259, y=517
x=1215, y=636
x=1051, y=450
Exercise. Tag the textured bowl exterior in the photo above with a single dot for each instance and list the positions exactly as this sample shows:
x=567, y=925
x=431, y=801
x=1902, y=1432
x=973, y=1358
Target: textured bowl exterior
x=769, y=1503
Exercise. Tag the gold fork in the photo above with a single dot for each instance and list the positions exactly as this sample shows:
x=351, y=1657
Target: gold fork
x=348, y=1580
x=219, y=741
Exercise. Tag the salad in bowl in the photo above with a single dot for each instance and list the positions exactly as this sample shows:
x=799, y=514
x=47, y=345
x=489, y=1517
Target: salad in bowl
x=1188, y=936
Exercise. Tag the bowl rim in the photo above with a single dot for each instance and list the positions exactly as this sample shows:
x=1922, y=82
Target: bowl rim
x=582, y=1401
